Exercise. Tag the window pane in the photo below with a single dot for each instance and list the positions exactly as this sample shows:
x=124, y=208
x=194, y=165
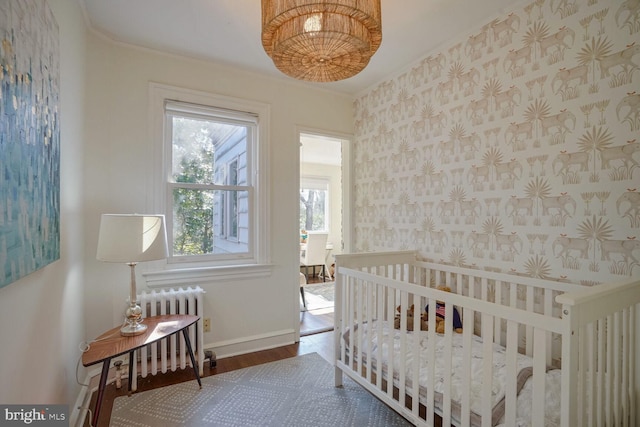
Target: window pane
x=210, y=222
x=201, y=148
x=231, y=222
x=192, y=222
x=313, y=205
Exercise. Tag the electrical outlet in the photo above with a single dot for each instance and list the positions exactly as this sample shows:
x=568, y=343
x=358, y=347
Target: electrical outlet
x=206, y=324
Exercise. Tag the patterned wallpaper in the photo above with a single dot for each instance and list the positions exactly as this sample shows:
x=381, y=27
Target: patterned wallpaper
x=514, y=148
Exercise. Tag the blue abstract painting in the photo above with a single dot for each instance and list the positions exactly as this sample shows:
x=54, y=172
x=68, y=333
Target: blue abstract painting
x=29, y=138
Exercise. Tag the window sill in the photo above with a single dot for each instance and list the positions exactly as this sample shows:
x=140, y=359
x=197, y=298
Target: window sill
x=200, y=275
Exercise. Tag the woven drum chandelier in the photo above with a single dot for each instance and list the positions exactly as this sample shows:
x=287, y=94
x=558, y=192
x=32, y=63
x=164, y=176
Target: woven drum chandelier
x=321, y=41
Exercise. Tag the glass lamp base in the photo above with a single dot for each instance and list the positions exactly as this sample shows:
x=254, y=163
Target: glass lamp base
x=131, y=329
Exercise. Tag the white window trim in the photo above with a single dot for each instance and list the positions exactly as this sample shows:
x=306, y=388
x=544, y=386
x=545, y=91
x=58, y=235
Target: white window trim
x=181, y=273
x=227, y=205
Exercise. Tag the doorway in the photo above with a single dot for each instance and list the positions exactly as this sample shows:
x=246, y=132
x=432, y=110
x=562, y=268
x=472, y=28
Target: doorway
x=324, y=208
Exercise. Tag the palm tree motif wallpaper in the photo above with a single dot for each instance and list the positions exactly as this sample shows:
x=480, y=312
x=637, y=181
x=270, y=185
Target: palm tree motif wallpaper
x=29, y=138
x=514, y=148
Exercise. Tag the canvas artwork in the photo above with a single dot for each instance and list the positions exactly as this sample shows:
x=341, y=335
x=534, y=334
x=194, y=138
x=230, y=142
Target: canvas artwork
x=29, y=138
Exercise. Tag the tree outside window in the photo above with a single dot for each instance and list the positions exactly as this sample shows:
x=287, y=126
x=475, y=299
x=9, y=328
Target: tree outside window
x=314, y=206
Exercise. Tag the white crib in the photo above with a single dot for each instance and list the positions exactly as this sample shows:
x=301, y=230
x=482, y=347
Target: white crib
x=531, y=352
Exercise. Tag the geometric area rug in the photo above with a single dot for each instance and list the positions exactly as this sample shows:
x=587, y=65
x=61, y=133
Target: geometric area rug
x=294, y=392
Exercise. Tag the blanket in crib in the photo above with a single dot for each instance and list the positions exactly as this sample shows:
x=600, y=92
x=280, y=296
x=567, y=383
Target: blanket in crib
x=499, y=367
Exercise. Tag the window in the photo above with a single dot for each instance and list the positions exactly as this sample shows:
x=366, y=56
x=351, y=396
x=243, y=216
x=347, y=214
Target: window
x=314, y=204
x=211, y=192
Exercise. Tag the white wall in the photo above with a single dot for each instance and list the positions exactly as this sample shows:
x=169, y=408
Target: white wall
x=246, y=314
x=41, y=315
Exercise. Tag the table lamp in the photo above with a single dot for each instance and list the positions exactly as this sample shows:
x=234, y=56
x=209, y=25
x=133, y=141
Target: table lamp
x=130, y=239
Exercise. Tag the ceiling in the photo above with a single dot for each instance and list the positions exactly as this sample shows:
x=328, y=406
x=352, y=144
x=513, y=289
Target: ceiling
x=228, y=31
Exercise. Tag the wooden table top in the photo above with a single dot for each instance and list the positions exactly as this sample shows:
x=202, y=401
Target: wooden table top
x=112, y=344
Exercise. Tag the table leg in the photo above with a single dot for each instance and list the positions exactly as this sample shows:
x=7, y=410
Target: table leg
x=185, y=334
x=103, y=382
x=132, y=356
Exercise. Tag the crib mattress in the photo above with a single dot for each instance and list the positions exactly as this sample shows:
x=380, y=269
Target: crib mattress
x=499, y=371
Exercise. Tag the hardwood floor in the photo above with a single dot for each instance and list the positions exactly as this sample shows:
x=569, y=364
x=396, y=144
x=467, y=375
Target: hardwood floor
x=321, y=343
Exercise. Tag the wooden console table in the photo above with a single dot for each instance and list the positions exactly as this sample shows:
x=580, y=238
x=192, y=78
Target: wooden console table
x=111, y=344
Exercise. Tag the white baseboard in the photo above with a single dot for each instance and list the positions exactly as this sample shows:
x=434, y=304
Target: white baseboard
x=251, y=344
x=77, y=416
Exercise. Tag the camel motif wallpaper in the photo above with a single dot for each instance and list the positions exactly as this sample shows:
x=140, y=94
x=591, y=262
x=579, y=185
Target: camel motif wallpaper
x=514, y=148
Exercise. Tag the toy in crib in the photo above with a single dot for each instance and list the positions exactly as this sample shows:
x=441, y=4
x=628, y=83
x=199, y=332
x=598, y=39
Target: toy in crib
x=410, y=311
x=457, y=322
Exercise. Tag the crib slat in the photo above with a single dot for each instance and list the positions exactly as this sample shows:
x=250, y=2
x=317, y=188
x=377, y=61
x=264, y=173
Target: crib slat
x=582, y=374
x=472, y=287
x=361, y=336
x=351, y=322
x=390, y=345
x=600, y=405
x=380, y=317
x=368, y=301
x=339, y=328
x=513, y=295
x=512, y=372
x=448, y=345
x=341, y=324
x=609, y=387
x=431, y=357
x=625, y=367
x=415, y=378
x=484, y=289
x=487, y=368
x=391, y=295
x=539, y=369
x=590, y=394
x=467, y=332
x=617, y=374
x=404, y=300
x=548, y=311
x=529, y=330
x=632, y=357
x=617, y=367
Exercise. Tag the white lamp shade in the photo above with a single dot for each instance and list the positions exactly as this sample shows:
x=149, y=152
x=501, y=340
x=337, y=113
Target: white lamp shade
x=132, y=238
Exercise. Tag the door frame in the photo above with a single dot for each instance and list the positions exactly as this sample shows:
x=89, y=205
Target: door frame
x=347, y=180
x=347, y=175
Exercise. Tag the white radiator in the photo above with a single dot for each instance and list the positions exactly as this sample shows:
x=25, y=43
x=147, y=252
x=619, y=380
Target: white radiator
x=171, y=353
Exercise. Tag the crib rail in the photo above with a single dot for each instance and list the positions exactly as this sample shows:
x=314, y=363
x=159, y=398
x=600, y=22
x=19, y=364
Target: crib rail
x=532, y=321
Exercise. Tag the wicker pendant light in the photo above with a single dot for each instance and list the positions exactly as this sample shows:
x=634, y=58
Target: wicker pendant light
x=321, y=41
